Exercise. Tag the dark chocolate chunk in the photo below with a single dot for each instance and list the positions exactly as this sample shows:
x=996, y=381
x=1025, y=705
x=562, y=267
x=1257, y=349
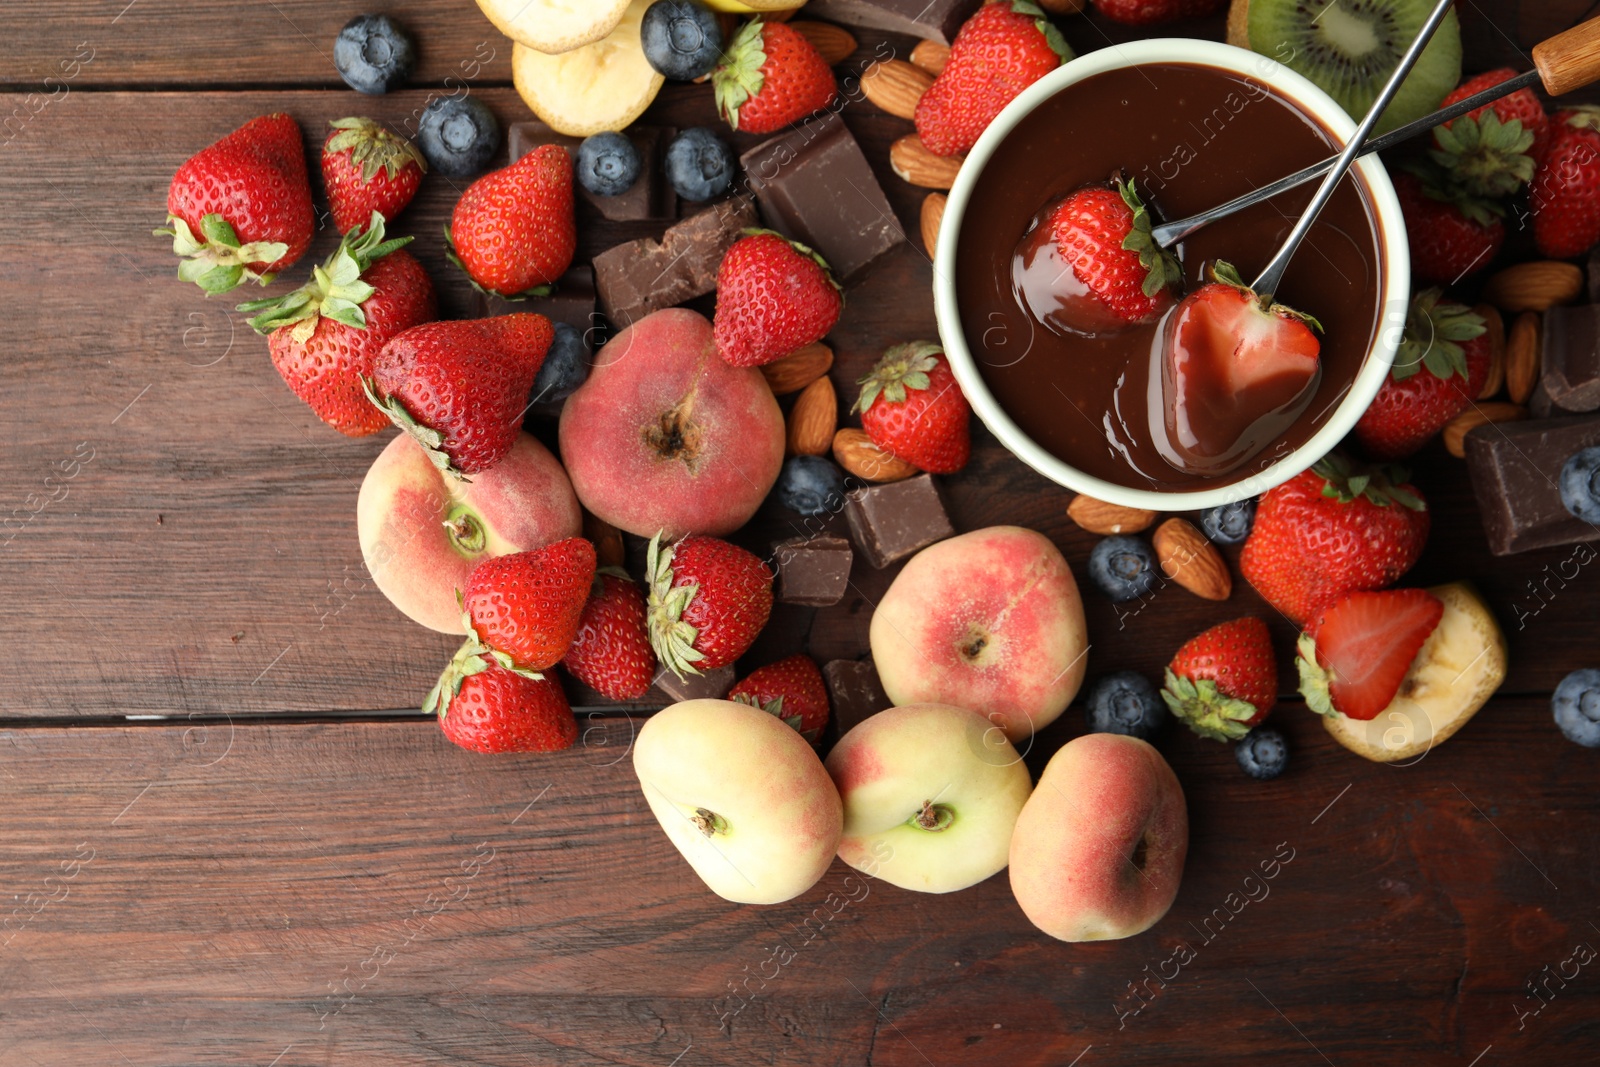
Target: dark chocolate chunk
x=650, y=197
x=571, y=301
x=813, y=571
x=708, y=685
x=854, y=691
x=1570, y=358
x=936, y=20
x=1516, y=471
x=889, y=522
x=642, y=276
x=815, y=186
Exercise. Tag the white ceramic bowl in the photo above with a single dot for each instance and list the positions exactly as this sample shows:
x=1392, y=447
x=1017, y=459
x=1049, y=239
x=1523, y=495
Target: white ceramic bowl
x=1395, y=294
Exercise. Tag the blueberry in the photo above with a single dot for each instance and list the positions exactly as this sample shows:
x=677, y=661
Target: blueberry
x=374, y=54
x=1123, y=567
x=1263, y=753
x=811, y=485
x=1125, y=703
x=1580, y=484
x=458, y=135
x=608, y=164
x=1576, y=705
x=1229, y=524
x=681, y=39
x=565, y=366
x=700, y=164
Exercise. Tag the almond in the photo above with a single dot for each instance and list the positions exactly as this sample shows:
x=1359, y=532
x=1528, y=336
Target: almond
x=834, y=42
x=858, y=455
x=1536, y=286
x=1495, y=331
x=608, y=547
x=910, y=159
x=1097, y=516
x=1455, y=431
x=1192, y=561
x=812, y=420
x=932, y=215
x=1522, y=357
x=798, y=369
x=895, y=86
x=930, y=56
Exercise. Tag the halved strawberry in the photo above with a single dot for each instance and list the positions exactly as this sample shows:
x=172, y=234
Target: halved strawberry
x=1355, y=655
x=1222, y=331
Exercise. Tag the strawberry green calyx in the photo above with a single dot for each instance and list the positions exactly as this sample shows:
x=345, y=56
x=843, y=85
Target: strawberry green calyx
x=215, y=260
x=1313, y=679
x=1058, y=44
x=774, y=707
x=1584, y=117
x=473, y=657
x=335, y=290
x=1161, y=266
x=1382, y=484
x=431, y=440
x=1207, y=710
x=1487, y=157
x=1226, y=273
x=670, y=636
x=1437, y=185
x=374, y=146
x=526, y=294
x=738, y=77
x=903, y=366
x=804, y=249
x=1434, y=330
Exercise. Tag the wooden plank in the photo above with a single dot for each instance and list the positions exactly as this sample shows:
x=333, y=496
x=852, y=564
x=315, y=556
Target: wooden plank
x=365, y=893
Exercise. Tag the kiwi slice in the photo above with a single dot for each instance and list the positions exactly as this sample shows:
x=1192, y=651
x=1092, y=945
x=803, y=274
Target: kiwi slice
x=1351, y=47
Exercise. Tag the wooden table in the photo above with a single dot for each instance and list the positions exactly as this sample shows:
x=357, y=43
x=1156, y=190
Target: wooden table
x=231, y=839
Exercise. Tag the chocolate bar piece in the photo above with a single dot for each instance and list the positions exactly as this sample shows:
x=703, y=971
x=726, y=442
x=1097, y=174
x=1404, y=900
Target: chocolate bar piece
x=650, y=197
x=1570, y=358
x=814, y=186
x=936, y=20
x=889, y=522
x=1516, y=471
x=813, y=571
x=708, y=685
x=571, y=301
x=853, y=690
x=642, y=276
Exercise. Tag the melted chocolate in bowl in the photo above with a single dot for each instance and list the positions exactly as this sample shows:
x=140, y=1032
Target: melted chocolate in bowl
x=1191, y=137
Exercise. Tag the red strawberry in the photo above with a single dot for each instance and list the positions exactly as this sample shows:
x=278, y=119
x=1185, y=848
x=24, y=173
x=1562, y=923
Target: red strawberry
x=497, y=710
x=773, y=296
x=1438, y=371
x=1451, y=235
x=911, y=406
x=708, y=601
x=1145, y=12
x=770, y=76
x=612, y=653
x=527, y=604
x=1490, y=152
x=366, y=168
x=460, y=388
x=1224, y=681
x=242, y=207
x=325, y=336
x=1333, y=530
x=1354, y=658
x=1103, y=233
x=791, y=689
x=1521, y=106
x=1001, y=50
x=1565, y=195
x=513, y=230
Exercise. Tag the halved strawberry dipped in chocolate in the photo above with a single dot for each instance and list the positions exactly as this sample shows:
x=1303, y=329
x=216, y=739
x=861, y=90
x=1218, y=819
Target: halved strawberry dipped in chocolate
x=1354, y=657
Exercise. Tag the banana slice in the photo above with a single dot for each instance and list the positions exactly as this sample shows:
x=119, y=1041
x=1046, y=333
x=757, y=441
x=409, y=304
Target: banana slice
x=601, y=86
x=747, y=7
x=1456, y=671
x=554, y=25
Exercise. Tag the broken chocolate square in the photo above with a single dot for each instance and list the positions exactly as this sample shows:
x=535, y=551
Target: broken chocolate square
x=1516, y=472
x=889, y=522
x=707, y=685
x=936, y=20
x=1570, y=358
x=642, y=276
x=571, y=301
x=854, y=691
x=649, y=197
x=813, y=571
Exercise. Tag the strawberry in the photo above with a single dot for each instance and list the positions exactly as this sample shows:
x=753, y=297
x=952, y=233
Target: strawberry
x=1103, y=233
x=460, y=388
x=242, y=207
x=1440, y=367
x=513, y=230
x=612, y=653
x=325, y=336
x=1354, y=658
x=1490, y=151
x=1145, y=12
x=1565, y=195
x=1332, y=530
x=366, y=168
x=1000, y=51
x=1451, y=234
x=528, y=604
x=911, y=406
x=791, y=689
x=1224, y=681
x=770, y=76
x=773, y=296
x=708, y=601
x=1521, y=106
x=495, y=710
